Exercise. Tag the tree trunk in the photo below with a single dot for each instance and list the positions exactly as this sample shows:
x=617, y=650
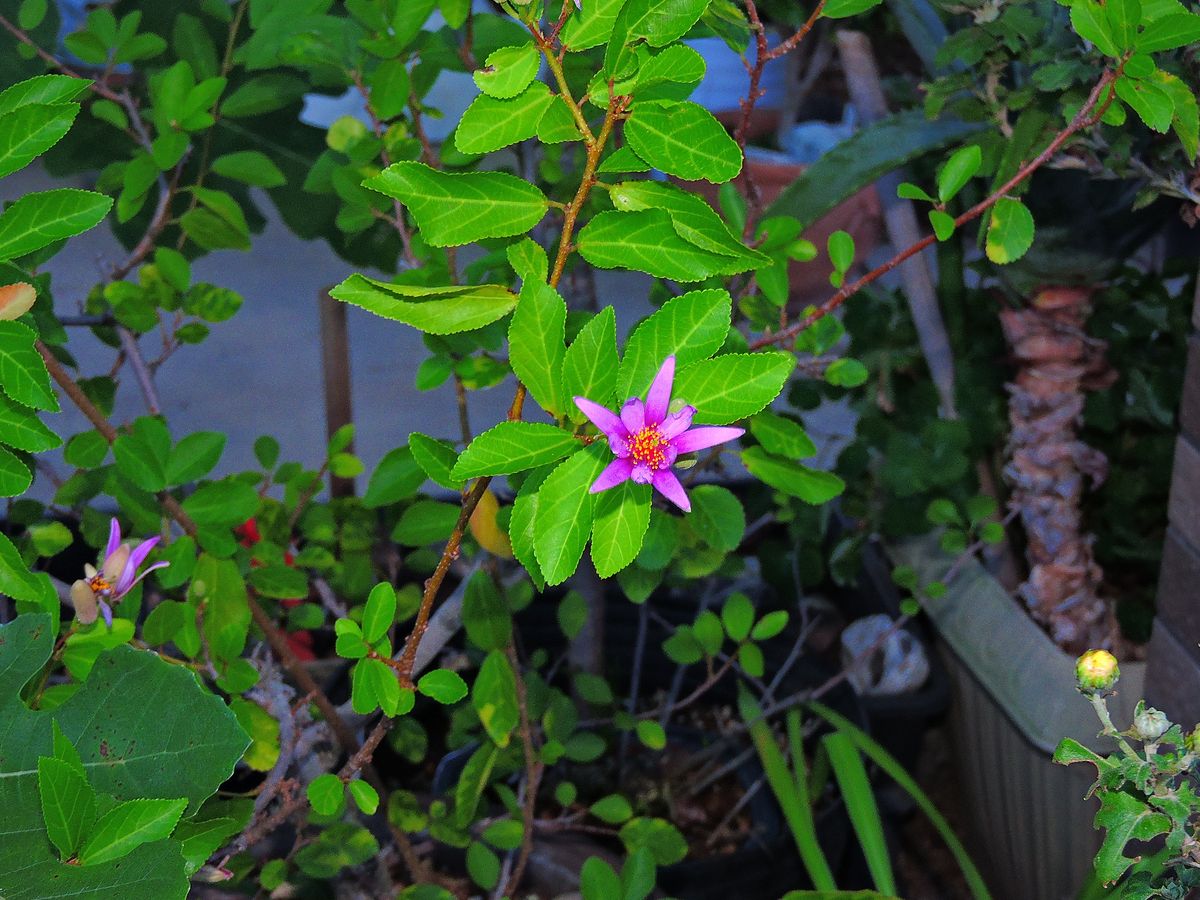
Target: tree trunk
x=1057, y=362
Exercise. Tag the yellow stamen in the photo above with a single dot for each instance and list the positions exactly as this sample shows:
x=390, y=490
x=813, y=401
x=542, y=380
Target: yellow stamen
x=648, y=447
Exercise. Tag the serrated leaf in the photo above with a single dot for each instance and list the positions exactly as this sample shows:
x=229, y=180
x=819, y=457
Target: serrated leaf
x=494, y=698
x=683, y=139
x=536, y=339
x=813, y=486
x=437, y=458
x=129, y=825
x=21, y=429
x=565, y=513
x=446, y=310
x=42, y=218
x=194, y=456
x=622, y=516
x=1010, y=231
x=508, y=71
x=590, y=364
x=15, y=476
x=30, y=130
x=68, y=804
x=734, y=385
x=457, y=209
x=717, y=516
x=513, y=447
x=691, y=328
x=23, y=375
x=647, y=241
x=781, y=436
x=490, y=124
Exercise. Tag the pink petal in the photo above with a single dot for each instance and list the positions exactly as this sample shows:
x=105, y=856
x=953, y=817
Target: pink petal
x=702, y=438
x=149, y=569
x=604, y=419
x=617, y=471
x=114, y=538
x=658, y=399
x=668, y=485
x=136, y=558
x=106, y=611
x=642, y=474
x=677, y=423
x=633, y=415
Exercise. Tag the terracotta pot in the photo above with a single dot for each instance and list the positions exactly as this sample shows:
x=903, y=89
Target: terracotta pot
x=861, y=215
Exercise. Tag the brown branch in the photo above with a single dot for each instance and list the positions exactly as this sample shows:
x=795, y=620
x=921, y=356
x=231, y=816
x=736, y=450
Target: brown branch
x=97, y=86
x=1088, y=115
x=533, y=777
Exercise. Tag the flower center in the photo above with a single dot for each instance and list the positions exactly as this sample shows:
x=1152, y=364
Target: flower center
x=99, y=586
x=648, y=447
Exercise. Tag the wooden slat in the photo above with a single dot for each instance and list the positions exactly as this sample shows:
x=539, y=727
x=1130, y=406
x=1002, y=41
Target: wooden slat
x=1179, y=589
x=1184, y=507
x=1171, y=677
x=1189, y=406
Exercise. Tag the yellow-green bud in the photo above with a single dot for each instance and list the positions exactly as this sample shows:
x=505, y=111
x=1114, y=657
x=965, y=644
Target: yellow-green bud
x=1150, y=724
x=1192, y=740
x=1096, y=672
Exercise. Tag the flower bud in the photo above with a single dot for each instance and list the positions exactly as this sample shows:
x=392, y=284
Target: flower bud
x=1150, y=724
x=1096, y=672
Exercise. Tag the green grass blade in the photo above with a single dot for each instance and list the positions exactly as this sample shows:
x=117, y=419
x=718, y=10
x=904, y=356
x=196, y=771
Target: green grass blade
x=896, y=772
x=860, y=803
x=797, y=812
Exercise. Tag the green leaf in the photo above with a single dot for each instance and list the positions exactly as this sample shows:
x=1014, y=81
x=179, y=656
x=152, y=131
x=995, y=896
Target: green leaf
x=437, y=458
x=263, y=94
x=325, y=794
x=942, y=223
x=565, y=512
x=391, y=88
x=366, y=798
x=622, y=160
x=16, y=581
x=959, y=169
x=863, y=159
x=508, y=71
x=855, y=787
x=737, y=616
x=513, y=447
x=494, y=698
x=1186, y=120
x=443, y=686
x=379, y=613
x=1124, y=17
x=485, y=614
x=397, y=477
x=770, y=625
x=22, y=429
x=598, y=881
x=1124, y=818
x=529, y=260
x=457, y=209
x=279, y=582
x=194, y=456
x=68, y=804
x=734, y=385
x=435, y=310
x=44, y=89
x=23, y=375
x=218, y=585
x=161, y=735
x=490, y=124
x=613, y=809
x=15, y=476
x=473, y=782
x=658, y=22
x=127, y=826
x=483, y=865
x=226, y=502
x=30, y=130
x=250, y=167
x=86, y=450
x=1170, y=32
x=590, y=364
x=39, y=219
x=647, y=241
x=691, y=328
x=622, y=516
x=1091, y=24
x=718, y=517
x=592, y=25
x=1010, y=231
x=536, y=339
x=813, y=486
x=659, y=836
x=142, y=454
x=1153, y=105
x=694, y=220
x=338, y=846
x=425, y=522
x=841, y=250
x=841, y=9
x=651, y=734
x=683, y=139
x=781, y=436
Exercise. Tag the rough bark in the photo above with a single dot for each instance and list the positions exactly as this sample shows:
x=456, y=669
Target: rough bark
x=1048, y=463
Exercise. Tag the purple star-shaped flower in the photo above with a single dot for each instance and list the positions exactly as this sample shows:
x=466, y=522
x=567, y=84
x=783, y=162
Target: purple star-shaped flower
x=116, y=577
x=647, y=438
